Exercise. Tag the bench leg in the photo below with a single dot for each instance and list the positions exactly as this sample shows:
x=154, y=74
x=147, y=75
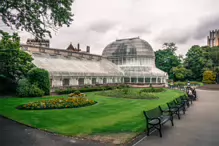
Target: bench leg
x=160, y=130
x=148, y=131
x=187, y=103
x=172, y=121
x=184, y=109
x=178, y=114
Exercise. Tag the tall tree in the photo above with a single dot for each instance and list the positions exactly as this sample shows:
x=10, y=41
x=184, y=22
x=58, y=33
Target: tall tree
x=166, y=59
x=38, y=17
x=14, y=63
x=197, y=61
x=180, y=73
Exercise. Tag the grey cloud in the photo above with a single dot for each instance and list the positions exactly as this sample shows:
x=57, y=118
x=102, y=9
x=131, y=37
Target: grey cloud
x=205, y=25
x=102, y=26
x=175, y=35
x=140, y=30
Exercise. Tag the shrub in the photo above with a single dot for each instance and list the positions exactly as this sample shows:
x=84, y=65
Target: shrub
x=152, y=90
x=180, y=84
x=25, y=89
x=58, y=103
x=209, y=77
x=77, y=92
x=193, y=83
x=35, y=91
x=7, y=86
x=125, y=90
x=90, y=89
x=132, y=94
x=40, y=77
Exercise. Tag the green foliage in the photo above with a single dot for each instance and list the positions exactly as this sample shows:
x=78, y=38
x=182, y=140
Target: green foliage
x=152, y=90
x=36, y=17
x=182, y=84
x=77, y=92
x=25, y=89
x=58, y=103
x=7, y=86
x=213, y=54
x=197, y=61
x=125, y=90
x=130, y=93
x=180, y=73
x=40, y=77
x=209, y=77
x=89, y=89
x=166, y=59
x=14, y=63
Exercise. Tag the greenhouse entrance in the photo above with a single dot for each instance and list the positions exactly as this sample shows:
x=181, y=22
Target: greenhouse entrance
x=94, y=81
x=81, y=81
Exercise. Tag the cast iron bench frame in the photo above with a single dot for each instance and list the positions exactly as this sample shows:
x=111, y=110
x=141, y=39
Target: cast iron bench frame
x=175, y=108
x=157, y=120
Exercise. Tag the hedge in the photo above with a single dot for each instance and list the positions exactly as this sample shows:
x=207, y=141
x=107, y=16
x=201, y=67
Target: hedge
x=89, y=89
x=25, y=89
x=152, y=90
x=40, y=77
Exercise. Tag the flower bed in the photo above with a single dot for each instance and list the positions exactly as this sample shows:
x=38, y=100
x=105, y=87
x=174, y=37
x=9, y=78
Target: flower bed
x=77, y=95
x=58, y=103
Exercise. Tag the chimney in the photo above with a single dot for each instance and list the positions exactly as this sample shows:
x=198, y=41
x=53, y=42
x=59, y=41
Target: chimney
x=88, y=49
x=78, y=47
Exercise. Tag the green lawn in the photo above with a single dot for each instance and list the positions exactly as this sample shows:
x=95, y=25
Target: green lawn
x=108, y=116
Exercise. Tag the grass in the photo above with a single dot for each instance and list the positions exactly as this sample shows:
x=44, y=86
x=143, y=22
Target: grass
x=109, y=116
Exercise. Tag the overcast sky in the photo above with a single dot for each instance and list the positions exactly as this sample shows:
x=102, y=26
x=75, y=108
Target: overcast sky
x=99, y=22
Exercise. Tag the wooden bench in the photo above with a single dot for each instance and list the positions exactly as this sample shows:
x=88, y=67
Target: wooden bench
x=155, y=118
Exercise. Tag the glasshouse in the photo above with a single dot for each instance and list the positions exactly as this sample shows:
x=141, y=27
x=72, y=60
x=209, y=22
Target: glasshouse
x=123, y=61
x=136, y=59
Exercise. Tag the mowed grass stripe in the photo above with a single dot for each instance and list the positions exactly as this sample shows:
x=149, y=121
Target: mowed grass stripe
x=110, y=115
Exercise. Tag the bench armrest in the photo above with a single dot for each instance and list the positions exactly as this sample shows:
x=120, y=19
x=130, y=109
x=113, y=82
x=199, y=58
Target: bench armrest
x=150, y=119
x=166, y=110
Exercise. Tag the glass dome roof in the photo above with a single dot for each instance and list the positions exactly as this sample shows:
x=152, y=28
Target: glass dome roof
x=134, y=56
x=131, y=47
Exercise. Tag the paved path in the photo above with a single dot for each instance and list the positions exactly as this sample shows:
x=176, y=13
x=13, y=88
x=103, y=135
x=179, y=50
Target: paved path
x=14, y=134
x=199, y=127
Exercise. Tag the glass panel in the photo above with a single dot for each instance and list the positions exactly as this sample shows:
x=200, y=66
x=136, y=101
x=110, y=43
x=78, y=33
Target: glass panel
x=153, y=80
x=94, y=80
x=104, y=81
x=147, y=80
x=65, y=82
x=140, y=80
x=81, y=81
x=159, y=80
x=134, y=80
x=127, y=80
